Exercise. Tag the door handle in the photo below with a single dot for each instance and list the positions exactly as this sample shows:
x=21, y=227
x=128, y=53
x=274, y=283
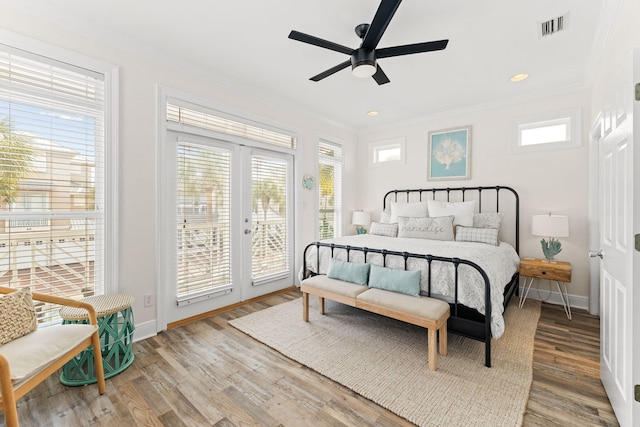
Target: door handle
x=596, y=254
x=247, y=231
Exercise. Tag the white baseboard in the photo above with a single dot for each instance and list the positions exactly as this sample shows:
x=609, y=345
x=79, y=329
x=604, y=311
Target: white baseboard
x=145, y=330
x=553, y=297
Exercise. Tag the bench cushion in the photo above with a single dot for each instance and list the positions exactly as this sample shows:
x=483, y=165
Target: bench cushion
x=339, y=287
x=430, y=308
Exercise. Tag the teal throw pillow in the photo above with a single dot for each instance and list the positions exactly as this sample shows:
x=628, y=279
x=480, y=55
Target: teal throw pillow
x=406, y=282
x=349, y=271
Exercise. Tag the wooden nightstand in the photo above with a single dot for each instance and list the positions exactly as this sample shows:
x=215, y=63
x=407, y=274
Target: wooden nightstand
x=555, y=271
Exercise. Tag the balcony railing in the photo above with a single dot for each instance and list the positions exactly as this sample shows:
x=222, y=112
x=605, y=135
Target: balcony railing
x=29, y=223
x=60, y=262
x=204, y=259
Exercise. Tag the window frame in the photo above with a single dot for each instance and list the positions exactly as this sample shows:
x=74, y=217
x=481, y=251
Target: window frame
x=375, y=147
x=338, y=204
x=572, y=117
x=164, y=128
x=111, y=142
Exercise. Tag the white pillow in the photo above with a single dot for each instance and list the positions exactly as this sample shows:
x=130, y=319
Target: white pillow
x=415, y=210
x=426, y=228
x=480, y=235
x=488, y=220
x=462, y=211
x=385, y=218
x=380, y=229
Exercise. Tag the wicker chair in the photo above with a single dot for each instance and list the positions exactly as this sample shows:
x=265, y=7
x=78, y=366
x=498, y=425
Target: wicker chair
x=28, y=360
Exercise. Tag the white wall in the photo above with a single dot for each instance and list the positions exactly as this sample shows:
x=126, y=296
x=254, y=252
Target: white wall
x=546, y=181
x=621, y=40
x=139, y=78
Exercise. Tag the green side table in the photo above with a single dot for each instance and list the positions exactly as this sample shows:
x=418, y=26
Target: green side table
x=115, y=326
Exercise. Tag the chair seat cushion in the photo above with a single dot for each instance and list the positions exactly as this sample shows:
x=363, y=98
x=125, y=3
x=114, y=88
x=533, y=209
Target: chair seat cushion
x=31, y=353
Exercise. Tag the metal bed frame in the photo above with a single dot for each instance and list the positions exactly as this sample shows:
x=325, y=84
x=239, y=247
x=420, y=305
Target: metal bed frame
x=463, y=321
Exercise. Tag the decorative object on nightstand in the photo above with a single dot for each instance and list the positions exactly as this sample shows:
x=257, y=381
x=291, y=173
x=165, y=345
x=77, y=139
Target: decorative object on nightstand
x=550, y=226
x=361, y=219
x=557, y=271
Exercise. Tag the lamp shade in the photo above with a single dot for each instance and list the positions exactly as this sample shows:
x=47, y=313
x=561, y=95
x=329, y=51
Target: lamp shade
x=550, y=225
x=361, y=218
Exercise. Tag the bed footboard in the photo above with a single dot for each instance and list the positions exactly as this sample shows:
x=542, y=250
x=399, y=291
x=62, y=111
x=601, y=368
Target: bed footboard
x=463, y=320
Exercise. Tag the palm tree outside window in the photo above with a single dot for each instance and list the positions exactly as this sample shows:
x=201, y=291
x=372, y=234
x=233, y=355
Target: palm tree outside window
x=329, y=190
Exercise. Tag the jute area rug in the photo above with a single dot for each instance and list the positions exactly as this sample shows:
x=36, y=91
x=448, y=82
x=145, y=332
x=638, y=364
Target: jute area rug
x=385, y=361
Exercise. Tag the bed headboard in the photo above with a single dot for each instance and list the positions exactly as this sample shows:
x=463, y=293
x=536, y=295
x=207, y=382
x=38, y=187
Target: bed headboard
x=489, y=199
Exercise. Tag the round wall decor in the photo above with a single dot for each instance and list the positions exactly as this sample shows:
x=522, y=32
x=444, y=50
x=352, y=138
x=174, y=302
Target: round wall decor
x=307, y=182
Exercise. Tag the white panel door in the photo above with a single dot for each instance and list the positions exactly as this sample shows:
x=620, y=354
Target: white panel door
x=618, y=183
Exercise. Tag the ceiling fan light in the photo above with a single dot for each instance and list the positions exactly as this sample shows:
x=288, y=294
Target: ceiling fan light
x=363, y=70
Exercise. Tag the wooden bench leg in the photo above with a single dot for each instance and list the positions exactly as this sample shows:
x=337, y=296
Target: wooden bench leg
x=320, y=305
x=305, y=306
x=432, y=343
x=443, y=338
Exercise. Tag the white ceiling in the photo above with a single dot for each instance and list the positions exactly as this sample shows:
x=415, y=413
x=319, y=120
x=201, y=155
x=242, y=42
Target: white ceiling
x=243, y=43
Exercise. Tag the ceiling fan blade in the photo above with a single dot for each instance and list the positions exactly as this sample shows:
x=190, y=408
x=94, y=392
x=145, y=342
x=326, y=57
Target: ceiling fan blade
x=380, y=77
x=408, y=49
x=306, y=38
x=381, y=20
x=331, y=71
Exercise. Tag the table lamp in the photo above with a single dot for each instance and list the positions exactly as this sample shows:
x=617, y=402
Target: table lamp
x=361, y=219
x=550, y=226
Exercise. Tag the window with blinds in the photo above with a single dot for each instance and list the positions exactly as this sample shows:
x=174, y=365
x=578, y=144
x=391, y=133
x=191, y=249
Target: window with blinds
x=329, y=190
x=203, y=226
x=228, y=126
x=270, y=245
x=52, y=177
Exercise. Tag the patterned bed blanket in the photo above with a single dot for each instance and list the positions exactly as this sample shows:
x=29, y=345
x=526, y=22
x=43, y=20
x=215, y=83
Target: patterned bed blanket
x=499, y=262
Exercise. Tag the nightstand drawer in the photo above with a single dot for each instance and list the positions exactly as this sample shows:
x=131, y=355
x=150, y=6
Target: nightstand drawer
x=560, y=271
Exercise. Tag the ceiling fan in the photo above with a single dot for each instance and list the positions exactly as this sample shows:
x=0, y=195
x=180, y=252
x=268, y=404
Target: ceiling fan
x=363, y=60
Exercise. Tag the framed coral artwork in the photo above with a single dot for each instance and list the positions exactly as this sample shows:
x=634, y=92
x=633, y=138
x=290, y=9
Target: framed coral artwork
x=448, y=156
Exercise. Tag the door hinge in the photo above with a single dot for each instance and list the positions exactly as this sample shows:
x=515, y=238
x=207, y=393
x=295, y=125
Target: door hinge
x=637, y=91
x=638, y=242
x=636, y=390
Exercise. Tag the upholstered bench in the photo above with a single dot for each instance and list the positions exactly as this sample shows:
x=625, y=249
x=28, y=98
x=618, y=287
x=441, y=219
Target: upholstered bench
x=333, y=289
x=429, y=313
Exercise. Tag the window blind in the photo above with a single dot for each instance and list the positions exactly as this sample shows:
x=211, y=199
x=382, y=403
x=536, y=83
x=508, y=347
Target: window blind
x=52, y=148
x=329, y=190
x=228, y=126
x=270, y=247
x=203, y=221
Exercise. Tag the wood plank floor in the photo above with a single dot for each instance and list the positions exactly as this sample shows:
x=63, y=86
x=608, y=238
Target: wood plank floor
x=206, y=373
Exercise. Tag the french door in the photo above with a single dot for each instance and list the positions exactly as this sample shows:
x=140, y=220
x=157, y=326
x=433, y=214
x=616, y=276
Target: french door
x=267, y=221
x=228, y=221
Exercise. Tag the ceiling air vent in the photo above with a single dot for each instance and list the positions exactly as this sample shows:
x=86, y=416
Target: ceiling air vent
x=553, y=25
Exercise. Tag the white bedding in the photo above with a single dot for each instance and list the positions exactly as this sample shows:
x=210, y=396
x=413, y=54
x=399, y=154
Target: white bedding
x=499, y=262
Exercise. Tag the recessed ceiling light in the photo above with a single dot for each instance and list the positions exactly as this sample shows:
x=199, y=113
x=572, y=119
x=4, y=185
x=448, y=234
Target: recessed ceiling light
x=519, y=77
x=372, y=113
